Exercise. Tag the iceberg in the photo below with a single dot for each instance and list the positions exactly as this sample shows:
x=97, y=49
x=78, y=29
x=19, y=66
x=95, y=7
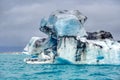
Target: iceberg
x=69, y=43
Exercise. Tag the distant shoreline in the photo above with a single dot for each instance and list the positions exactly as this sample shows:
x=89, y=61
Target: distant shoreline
x=10, y=52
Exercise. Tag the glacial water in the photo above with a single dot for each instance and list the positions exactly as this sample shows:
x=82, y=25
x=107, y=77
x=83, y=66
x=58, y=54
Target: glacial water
x=12, y=67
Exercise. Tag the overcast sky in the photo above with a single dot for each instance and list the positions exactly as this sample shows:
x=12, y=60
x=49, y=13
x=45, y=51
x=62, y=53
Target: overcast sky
x=20, y=19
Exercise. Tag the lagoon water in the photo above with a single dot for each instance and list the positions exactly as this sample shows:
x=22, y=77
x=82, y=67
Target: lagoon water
x=12, y=67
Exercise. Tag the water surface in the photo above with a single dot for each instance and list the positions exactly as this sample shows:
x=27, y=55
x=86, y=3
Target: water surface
x=12, y=67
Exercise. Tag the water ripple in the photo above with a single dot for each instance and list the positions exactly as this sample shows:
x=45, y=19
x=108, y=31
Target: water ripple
x=97, y=74
x=48, y=72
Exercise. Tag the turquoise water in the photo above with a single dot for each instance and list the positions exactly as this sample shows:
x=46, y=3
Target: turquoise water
x=12, y=67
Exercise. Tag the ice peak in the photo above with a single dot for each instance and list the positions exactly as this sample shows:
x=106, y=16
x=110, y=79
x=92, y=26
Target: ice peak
x=64, y=23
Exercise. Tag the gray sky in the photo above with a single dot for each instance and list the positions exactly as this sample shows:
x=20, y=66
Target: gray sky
x=20, y=19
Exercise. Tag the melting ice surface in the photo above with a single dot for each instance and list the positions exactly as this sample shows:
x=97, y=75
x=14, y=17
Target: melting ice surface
x=68, y=42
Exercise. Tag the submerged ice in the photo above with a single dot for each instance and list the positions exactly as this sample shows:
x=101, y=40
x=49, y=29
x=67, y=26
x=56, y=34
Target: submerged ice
x=68, y=42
